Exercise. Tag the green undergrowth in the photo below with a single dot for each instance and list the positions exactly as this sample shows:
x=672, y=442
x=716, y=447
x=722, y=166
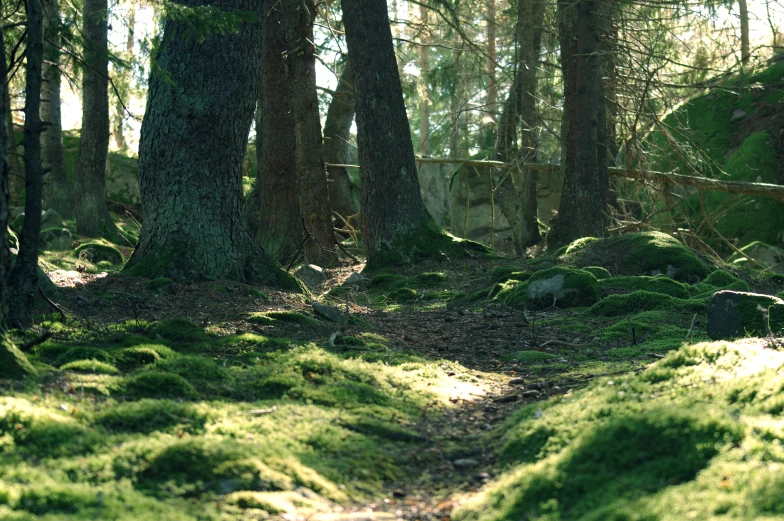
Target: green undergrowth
x=698, y=435
x=165, y=420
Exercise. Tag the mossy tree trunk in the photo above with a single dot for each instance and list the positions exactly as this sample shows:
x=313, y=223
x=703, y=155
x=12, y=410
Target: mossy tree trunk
x=337, y=129
x=312, y=191
x=396, y=227
x=518, y=203
x=5, y=201
x=23, y=280
x=57, y=187
x=199, y=110
x=92, y=216
x=277, y=223
x=585, y=195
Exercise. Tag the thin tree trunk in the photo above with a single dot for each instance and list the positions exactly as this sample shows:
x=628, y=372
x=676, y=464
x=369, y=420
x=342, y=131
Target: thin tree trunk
x=57, y=188
x=745, y=46
x=199, y=111
x=23, y=281
x=312, y=191
x=16, y=171
x=424, y=88
x=395, y=224
x=519, y=205
x=278, y=224
x=92, y=216
x=492, y=57
x=337, y=128
x=585, y=195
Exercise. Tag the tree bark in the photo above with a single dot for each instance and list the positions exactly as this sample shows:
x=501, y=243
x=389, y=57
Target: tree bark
x=199, y=109
x=337, y=130
x=395, y=224
x=23, y=281
x=13, y=156
x=519, y=205
x=745, y=45
x=57, y=188
x=277, y=223
x=5, y=209
x=492, y=56
x=92, y=216
x=312, y=191
x=585, y=195
x=424, y=88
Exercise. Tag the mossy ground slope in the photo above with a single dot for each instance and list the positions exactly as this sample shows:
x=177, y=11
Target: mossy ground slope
x=225, y=401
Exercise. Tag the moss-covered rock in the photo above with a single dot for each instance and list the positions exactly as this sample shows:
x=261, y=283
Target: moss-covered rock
x=663, y=285
x=154, y=384
x=179, y=330
x=734, y=314
x=720, y=278
x=90, y=366
x=14, y=365
x=55, y=239
x=598, y=272
x=637, y=301
x=764, y=254
x=96, y=252
x=559, y=286
x=648, y=253
x=505, y=273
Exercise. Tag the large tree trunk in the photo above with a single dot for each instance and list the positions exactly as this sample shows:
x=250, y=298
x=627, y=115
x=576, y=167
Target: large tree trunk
x=585, y=196
x=395, y=224
x=5, y=209
x=13, y=156
x=199, y=109
x=518, y=204
x=277, y=223
x=337, y=129
x=23, y=281
x=57, y=187
x=92, y=217
x=312, y=191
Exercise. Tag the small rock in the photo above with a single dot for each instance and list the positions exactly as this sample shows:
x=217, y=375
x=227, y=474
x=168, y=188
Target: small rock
x=451, y=373
x=517, y=381
x=738, y=114
x=355, y=279
x=330, y=313
x=464, y=463
x=398, y=493
x=531, y=394
x=507, y=398
x=311, y=275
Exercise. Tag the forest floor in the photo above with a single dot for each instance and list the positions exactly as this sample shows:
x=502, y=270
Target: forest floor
x=433, y=399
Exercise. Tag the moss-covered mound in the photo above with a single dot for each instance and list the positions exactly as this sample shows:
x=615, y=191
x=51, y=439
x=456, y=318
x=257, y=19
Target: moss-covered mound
x=663, y=285
x=96, y=252
x=558, y=287
x=638, y=447
x=649, y=253
x=731, y=133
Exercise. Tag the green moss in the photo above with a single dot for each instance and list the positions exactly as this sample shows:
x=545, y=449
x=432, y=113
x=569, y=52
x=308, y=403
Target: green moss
x=13, y=363
x=90, y=366
x=598, y=272
x=291, y=317
x=559, y=286
x=580, y=244
x=96, y=252
x=530, y=357
x=505, y=273
x=637, y=301
x=137, y=356
x=76, y=353
x=403, y=295
x=180, y=331
x=386, y=281
x=159, y=284
x=153, y=384
x=146, y=416
x=720, y=278
x=429, y=279
x=663, y=285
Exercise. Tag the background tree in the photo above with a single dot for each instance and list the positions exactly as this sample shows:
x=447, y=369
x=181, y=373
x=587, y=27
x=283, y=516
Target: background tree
x=277, y=223
x=23, y=280
x=337, y=132
x=199, y=110
x=57, y=187
x=92, y=216
x=5, y=208
x=584, y=200
x=312, y=191
x=395, y=224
